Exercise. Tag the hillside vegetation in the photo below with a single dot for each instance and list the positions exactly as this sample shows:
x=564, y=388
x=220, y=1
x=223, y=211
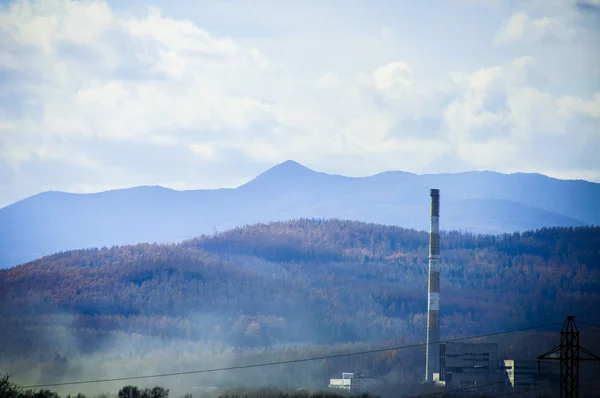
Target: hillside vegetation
x=313, y=281
x=303, y=288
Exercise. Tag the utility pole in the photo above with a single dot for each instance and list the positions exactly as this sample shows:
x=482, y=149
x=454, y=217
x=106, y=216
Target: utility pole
x=569, y=356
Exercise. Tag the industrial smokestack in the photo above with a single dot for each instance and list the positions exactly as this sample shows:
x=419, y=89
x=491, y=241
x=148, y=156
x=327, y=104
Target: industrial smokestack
x=432, y=364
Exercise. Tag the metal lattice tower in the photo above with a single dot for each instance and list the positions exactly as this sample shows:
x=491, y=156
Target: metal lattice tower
x=569, y=358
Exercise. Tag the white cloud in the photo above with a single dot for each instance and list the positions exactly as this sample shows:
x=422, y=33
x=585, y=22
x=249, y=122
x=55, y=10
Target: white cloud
x=520, y=27
x=92, y=94
x=501, y=119
x=204, y=150
x=393, y=75
x=329, y=81
x=577, y=174
x=490, y=153
x=387, y=32
x=183, y=77
x=407, y=95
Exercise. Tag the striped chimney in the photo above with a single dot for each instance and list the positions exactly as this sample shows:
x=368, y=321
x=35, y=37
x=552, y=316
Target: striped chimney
x=432, y=364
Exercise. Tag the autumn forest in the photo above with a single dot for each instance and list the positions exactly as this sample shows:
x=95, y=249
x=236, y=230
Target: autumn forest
x=290, y=289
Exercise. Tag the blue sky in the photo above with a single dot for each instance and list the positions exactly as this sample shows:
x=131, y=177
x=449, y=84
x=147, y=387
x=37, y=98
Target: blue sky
x=204, y=94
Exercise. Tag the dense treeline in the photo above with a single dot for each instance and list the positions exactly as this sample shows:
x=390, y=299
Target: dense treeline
x=308, y=281
x=8, y=389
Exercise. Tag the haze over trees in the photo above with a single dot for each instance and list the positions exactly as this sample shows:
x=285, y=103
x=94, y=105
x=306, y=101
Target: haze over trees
x=8, y=389
x=475, y=201
x=292, y=289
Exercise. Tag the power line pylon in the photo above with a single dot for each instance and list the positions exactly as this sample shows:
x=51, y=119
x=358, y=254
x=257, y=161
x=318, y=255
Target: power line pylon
x=569, y=358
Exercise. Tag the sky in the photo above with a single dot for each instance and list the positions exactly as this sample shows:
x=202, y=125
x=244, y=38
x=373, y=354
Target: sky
x=98, y=95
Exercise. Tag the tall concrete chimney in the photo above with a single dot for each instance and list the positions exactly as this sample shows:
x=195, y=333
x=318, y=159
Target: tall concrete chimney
x=432, y=364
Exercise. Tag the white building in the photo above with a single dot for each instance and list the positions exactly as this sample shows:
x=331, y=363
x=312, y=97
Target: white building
x=344, y=383
x=357, y=383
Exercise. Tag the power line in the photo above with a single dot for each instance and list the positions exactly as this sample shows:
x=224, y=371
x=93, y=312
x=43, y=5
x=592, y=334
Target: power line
x=541, y=388
x=492, y=384
x=588, y=324
x=287, y=361
x=467, y=388
x=527, y=391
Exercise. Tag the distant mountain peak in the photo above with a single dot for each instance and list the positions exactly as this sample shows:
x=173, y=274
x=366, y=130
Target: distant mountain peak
x=290, y=165
x=288, y=169
x=288, y=173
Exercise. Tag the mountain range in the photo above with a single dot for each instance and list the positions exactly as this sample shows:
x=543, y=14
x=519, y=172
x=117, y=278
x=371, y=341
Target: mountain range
x=478, y=202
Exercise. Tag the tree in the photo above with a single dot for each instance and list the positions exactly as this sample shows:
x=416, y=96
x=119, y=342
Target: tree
x=38, y=394
x=129, y=392
x=155, y=392
x=45, y=394
x=7, y=388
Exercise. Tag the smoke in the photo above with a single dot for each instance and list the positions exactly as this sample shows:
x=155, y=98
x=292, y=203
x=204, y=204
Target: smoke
x=61, y=350
x=61, y=354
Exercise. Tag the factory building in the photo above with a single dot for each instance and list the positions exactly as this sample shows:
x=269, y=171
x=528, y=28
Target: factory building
x=356, y=383
x=464, y=365
x=524, y=373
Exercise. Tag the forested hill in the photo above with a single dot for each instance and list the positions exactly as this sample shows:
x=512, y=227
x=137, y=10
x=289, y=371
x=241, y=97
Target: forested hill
x=482, y=202
x=305, y=281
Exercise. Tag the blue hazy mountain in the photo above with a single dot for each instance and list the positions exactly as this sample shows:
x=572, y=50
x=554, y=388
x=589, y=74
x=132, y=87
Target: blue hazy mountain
x=481, y=202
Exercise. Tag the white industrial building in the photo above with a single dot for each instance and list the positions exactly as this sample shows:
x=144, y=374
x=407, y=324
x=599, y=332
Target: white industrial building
x=356, y=383
x=345, y=383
